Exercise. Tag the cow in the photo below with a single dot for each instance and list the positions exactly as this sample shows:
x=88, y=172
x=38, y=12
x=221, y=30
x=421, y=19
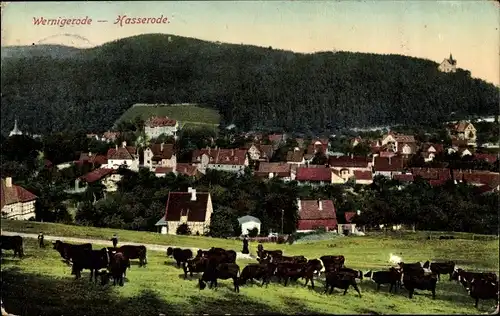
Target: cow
x=293, y=259
x=222, y=271
x=104, y=276
x=263, y=254
x=13, y=243
x=392, y=277
x=313, y=267
x=341, y=281
x=118, y=263
x=466, y=277
x=484, y=290
x=133, y=252
x=68, y=251
x=421, y=282
x=290, y=270
x=201, y=253
x=180, y=255
x=256, y=271
x=331, y=263
x=93, y=260
x=440, y=268
x=196, y=265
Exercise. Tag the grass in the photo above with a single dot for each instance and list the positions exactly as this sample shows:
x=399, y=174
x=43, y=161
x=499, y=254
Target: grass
x=40, y=284
x=189, y=115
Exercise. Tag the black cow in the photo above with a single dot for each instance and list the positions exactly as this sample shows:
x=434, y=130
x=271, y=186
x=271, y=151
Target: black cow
x=13, y=243
x=290, y=270
x=263, y=254
x=293, y=259
x=222, y=271
x=357, y=274
x=133, y=252
x=93, y=260
x=68, y=251
x=195, y=265
x=421, y=282
x=117, y=266
x=392, y=277
x=440, y=268
x=312, y=267
x=341, y=281
x=466, y=277
x=180, y=255
x=484, y=290
x=202, y=253
x=331, y=263
x=256, y=271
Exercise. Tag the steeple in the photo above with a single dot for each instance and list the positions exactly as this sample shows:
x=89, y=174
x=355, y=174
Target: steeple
x=451, y=58
x=16, y=130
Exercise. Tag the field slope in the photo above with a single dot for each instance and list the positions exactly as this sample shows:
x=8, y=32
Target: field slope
x=189, y=115
x=41, y=284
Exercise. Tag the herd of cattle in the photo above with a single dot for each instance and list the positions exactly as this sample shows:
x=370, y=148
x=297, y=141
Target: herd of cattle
x=218, y=263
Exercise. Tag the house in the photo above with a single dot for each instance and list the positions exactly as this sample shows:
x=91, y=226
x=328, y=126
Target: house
x=448, y=65
x=387, y=166
x=254, y=152
x=108, y=177
x=489, y=158
x=349, y=227
x=317, y=145
x=429, y=151
x=465, y=130
x=230, y=160
x=95, y=160
x=398, y=143
x=277, y=139
x=356, y=141
x=270, y=170
x=248, y=223
x=442, y=174
x=363, y=176
x=346, y=165
x=404, y=178
x=315, y=175
x=316, y=214
x=161, y=125
x=160, y=155
x=16, y=202
x=188, y=170
x=161, y=172
x=260, y=152
x=477, y=178
x=110, y=137
x=191, y=208
x=124, y=156
x=295, y=156
x=338, y=178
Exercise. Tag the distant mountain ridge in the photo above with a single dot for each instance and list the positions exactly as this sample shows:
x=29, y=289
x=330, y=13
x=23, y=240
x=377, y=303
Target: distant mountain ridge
x=42, y=50
x=252, y=87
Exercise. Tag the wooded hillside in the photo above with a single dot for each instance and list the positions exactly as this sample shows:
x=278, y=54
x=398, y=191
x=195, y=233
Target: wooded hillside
x=252, y=87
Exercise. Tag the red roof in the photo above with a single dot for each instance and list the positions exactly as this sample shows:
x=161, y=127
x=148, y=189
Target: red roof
x=159, y=121
x=93, y=159
x=161, y=151
x=478, y=177
x=363, y=175
x=310, y=209
x=122, y=153
x=388, y=163
x=14, y=194
x=161, y=170
x=491, y=158
x=279, y=169
x=97, y=174
x=221, y=156
x=403, y=177
x=179, y=203
x=314, y=174
x=432, y=173
x=186, y=169
x=276, y=137
x=348, y=216
x=348, y=161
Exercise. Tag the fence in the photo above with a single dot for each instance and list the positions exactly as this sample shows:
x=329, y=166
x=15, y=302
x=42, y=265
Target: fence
x=430, y=235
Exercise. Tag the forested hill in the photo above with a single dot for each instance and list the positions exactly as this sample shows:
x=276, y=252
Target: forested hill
x=253, y=87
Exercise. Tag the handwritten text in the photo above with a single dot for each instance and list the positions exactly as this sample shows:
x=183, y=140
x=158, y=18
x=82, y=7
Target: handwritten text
x=125, y=20
x=62, y=21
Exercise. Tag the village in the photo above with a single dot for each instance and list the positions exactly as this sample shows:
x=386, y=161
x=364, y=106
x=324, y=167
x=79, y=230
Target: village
x=310, y=162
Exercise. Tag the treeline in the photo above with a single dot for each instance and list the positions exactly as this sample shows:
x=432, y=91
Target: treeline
x=253, y=87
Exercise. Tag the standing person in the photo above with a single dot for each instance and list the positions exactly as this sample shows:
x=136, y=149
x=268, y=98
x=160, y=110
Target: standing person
x=114, y=239
x=245, y=245
x=40, y=240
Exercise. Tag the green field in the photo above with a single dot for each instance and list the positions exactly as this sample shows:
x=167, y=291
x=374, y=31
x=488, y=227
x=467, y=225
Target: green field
x=189, y=115
x=40, y=284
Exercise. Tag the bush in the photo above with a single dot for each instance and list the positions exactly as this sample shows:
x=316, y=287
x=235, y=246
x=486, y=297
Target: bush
x=253, y=232
x=183, y=229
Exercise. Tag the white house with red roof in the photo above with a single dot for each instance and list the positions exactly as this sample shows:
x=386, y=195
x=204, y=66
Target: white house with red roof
x=108, y=177
x=191, y=208
x=316, y=214
x=314, y=175
x=230, y=160
x=161, y=125
x=347, y=165
x=268, y=170
x=124, y=156
x=16, y=202
x=160, y=155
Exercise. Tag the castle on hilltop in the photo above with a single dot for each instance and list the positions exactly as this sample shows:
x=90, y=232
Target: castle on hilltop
x=448, y=65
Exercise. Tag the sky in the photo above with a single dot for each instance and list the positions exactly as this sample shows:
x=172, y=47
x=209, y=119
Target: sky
x=469, y=29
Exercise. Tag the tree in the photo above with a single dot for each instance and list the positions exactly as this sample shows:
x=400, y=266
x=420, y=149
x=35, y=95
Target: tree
x=319, y=158
x=223, y=223
x=253, y=232
x=183, y=229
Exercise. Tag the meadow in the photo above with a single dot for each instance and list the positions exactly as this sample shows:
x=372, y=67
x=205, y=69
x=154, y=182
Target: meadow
x=189, y=115
x=40, y=284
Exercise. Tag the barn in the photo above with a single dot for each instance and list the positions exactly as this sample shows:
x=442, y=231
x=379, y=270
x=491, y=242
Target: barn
x=316, y=214
x=247, y=223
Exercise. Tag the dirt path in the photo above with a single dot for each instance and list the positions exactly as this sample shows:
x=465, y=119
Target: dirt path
x=153, y=247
